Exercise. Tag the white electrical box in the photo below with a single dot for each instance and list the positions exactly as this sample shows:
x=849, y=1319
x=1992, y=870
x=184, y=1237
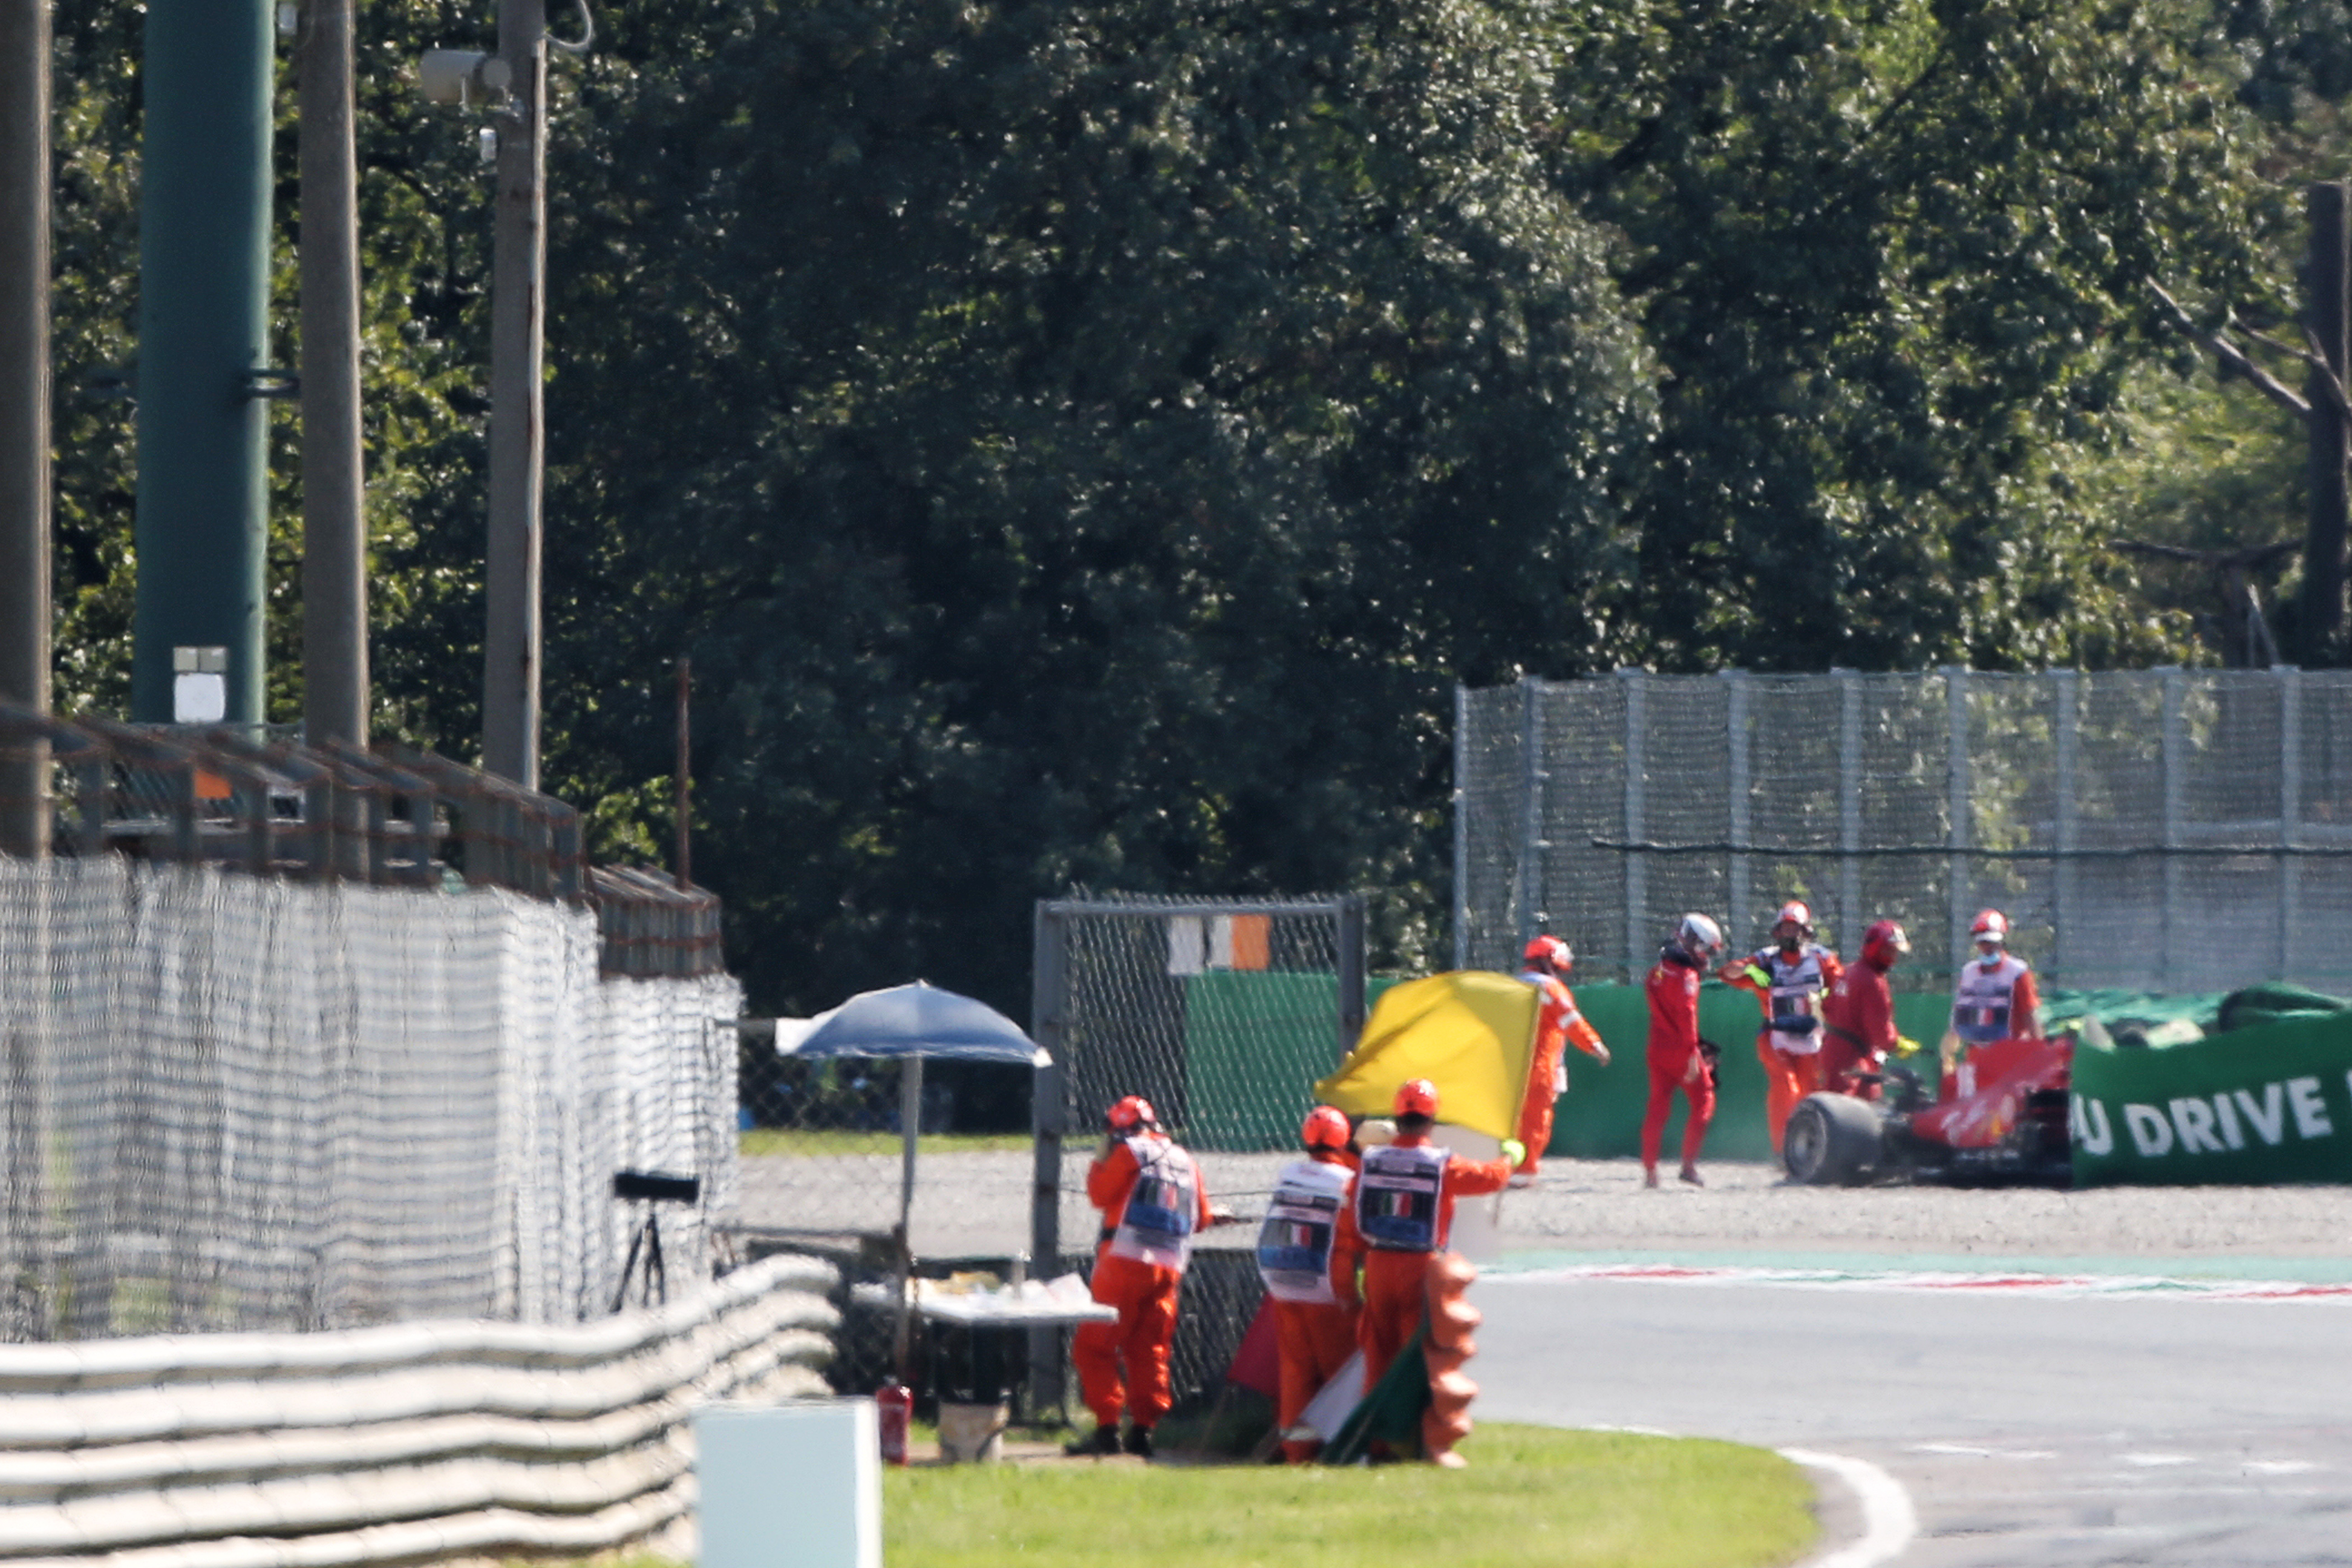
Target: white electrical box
x=798, y=1484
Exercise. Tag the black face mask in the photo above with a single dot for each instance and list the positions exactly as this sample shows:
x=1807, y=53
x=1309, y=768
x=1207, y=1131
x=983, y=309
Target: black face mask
x=1792, y=946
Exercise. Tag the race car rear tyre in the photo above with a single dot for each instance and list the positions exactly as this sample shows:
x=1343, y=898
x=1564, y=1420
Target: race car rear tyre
x=1832, y=1140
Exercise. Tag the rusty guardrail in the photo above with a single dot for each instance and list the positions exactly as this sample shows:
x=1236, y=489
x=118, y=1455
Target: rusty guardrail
x=391, y=815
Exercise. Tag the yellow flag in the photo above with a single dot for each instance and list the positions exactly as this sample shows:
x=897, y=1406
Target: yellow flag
x=1470, y=1033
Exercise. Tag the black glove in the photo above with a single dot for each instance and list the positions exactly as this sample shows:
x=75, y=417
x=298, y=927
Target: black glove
x=1712, y=1055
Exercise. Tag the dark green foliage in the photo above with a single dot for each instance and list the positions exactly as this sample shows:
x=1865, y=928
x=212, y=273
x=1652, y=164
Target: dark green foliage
x=1083, y=441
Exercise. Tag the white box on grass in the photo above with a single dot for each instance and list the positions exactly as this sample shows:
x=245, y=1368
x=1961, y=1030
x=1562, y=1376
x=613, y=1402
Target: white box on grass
x=789, y=1486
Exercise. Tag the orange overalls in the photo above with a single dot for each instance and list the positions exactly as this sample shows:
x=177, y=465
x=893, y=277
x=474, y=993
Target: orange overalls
x=1154, y=1203
x=1557, y=1025
x=1404, y=1214
x=1791, y=994
x=1307, y=1253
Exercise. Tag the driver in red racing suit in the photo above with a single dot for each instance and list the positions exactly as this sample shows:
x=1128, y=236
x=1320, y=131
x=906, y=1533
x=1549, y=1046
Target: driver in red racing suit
x=1677, y=1057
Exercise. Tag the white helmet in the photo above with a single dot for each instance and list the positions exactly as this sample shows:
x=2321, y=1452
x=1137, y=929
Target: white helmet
x=1699, y=936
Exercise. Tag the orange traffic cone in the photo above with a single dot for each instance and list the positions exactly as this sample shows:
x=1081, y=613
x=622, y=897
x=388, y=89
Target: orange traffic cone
x=1446, y=1346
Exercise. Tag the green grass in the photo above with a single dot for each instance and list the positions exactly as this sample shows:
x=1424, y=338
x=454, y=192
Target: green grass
x=785, y=1141
x=1532, y=1498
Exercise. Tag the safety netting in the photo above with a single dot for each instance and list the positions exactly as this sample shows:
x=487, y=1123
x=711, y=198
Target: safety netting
x=247, y=1102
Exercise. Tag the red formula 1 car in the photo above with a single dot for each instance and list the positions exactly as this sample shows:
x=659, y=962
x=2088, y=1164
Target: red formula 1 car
x=2003, y=1120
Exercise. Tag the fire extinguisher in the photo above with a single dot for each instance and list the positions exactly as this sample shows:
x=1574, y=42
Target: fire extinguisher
x=894, y=1404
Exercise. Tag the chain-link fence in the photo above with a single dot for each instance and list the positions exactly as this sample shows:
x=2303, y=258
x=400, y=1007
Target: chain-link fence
x=823, y=1153
x=1222, y=1014
x=2167, y=829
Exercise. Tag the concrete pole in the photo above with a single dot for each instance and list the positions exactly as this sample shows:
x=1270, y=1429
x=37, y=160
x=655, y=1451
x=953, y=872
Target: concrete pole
x=510, y=643
x=209, y=68
x=683, y=782
x=2326, y=314
x=25, y=407
x=334, y=523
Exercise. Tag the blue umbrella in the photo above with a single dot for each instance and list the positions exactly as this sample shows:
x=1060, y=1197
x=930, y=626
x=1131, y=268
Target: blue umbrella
x=907, y=1023
x=917, y=1021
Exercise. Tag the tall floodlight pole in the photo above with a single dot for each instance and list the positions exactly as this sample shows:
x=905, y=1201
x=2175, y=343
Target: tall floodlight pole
x=24, y=406
x=510, y=642
x=203, y=297
x=334, y=526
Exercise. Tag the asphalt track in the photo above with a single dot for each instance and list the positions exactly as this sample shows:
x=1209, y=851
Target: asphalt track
x=2097, y=1422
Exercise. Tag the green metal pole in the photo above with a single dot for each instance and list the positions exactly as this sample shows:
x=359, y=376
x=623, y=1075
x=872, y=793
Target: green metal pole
x=203, y=294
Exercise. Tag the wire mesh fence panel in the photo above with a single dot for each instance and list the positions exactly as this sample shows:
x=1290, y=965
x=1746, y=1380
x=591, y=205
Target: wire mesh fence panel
x=2157, y=829
x=1222, y=1015
x=823, y=1151
x=241, y=1102
x=1487, y=832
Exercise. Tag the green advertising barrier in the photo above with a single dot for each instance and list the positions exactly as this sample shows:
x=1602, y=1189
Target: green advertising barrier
x=1599, y=1117
x=1257, y=1042
x=2249, y=1108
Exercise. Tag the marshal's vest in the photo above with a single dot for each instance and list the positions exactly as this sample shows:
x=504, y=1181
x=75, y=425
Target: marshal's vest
x=1294, y=1246
x=1795, y=999
x=1982, y=1002
x=1156, y=1226
x=1397, y=1197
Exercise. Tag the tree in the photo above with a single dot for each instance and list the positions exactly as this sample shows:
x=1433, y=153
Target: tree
x=1891, y=258
x=1079, y=443
x=1083, y=441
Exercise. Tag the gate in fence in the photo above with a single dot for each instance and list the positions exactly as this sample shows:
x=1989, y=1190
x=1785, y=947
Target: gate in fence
x=1222, y=1014
x=2167, y=829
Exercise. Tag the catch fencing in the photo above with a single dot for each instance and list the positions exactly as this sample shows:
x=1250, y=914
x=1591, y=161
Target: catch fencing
x=236, y=1102
x=311, y=1039
x=2162, y=830
x=1223, y=1014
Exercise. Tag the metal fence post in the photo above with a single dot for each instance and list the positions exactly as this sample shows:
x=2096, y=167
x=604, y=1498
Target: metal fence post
x=2290, y=825
x=1350, y=941
x=1738, y=798
x=1849, y=927
x=2175, y=689
x=1531, y=808
x=2069, y=738
x=1461, y=825
x=1959, y=828
x=1048, y=1004
x=1637, y=868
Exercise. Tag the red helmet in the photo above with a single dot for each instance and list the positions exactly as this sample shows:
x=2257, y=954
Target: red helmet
x=1883, y=943
x=1794, y=909
x=1990, y=925
x=1417, y=1097
x=1133, y=1113
x=1325, y=1129
x=1549, y=950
